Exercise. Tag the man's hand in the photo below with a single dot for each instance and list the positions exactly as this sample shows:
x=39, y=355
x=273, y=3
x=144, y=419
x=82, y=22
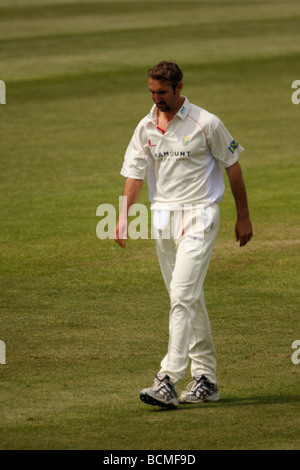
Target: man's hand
x=121, y=231
x=243, y=230
x=243, y=227
x=132, y=189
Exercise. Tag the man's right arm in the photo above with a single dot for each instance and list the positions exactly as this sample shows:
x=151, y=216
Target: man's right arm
x=132, y=190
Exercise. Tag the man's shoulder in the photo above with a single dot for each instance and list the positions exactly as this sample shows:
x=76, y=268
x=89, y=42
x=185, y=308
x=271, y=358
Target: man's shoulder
x=202, y=116
x=142, y=124
x=144, y=120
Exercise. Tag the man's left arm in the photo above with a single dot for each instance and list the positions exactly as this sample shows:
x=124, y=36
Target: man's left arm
x=243, y=227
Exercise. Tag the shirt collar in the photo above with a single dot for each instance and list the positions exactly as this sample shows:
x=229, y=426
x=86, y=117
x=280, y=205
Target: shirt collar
x=182, y=113
x=184, y=110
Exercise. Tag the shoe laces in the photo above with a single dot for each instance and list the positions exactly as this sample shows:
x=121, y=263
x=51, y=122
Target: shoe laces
x=158, y=382
x=162, y=383
x=198, y=382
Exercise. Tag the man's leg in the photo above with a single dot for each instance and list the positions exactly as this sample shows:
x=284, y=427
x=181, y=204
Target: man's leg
x=189, y=327
x=184, y=264
x=202, y=351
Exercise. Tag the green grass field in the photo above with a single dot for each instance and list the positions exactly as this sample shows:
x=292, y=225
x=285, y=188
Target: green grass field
x=85, y=323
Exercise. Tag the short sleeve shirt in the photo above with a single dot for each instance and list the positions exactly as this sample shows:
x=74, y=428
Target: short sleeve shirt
x=184, y=164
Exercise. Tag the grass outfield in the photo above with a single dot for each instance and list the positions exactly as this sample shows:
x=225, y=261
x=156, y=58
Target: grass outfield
x=85, y=322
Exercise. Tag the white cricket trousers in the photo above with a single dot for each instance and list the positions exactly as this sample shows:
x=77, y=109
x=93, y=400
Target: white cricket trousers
x=184, y=259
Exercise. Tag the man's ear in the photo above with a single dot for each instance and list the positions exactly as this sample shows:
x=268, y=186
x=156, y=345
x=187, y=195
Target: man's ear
x=179, y=87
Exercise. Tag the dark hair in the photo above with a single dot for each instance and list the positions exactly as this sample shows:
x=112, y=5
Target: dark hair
x=166, y=72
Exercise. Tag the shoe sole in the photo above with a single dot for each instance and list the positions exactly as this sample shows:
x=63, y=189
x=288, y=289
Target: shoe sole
x=149, y=400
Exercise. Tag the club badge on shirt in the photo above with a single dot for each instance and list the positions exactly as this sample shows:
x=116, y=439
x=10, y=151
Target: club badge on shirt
x=186, y=140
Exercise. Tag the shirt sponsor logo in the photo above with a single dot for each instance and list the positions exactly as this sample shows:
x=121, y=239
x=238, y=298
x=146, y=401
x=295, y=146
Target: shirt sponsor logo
x=172, y=155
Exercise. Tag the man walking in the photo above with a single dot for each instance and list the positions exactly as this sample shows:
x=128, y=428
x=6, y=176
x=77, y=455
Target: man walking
x=182, y=150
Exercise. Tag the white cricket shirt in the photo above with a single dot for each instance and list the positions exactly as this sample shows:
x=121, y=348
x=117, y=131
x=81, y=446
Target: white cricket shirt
x=184, y=164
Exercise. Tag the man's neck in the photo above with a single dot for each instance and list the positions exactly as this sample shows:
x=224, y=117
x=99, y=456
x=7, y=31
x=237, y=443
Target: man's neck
x=164, y=117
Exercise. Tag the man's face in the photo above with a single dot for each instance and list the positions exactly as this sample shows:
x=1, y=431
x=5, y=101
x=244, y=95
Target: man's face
x=163, y=95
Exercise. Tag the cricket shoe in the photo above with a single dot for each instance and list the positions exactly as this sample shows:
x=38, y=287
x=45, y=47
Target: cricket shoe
x=162, y=393
x=199, y=391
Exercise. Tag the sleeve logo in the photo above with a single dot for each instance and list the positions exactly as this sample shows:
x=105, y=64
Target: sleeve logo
x=233, y=145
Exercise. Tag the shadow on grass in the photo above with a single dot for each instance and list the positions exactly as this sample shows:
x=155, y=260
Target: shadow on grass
x=236, y=401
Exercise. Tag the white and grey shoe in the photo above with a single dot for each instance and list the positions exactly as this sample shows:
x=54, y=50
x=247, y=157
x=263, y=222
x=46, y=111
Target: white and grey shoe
x=199, y=391
x=162, y=393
